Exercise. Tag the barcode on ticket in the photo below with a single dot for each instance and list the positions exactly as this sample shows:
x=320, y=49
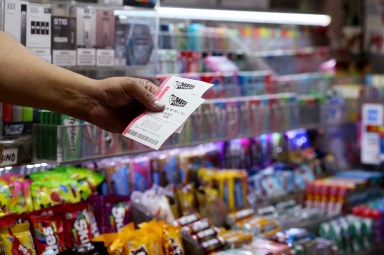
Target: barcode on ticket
x=143, y=137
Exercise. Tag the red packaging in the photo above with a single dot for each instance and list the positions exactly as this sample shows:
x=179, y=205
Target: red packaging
x=48, y=233
x=77, y=224
x=217, y=91
x=12, y=219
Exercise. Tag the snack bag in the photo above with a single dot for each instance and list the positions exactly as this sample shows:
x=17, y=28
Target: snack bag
x=116, y=213
x=107, y=239
x=186, y=199
x=5, y=196
x=17, y=240
x=173, y=244
x=48, y=233
x=77, y=224
x=154, y=231
x=140, y=243
x=54, y=192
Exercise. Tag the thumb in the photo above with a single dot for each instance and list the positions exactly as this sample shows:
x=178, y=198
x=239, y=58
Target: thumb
x=144, y=91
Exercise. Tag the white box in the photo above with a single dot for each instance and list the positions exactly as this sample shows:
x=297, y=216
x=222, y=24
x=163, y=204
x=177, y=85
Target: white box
x=39, y=30
x=85, y=26
x=15, y=19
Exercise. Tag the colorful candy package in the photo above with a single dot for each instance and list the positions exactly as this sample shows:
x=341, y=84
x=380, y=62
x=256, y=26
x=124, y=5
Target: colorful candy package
x=17, y=240
x=54, y=192
x=48, y=233
x=78, y=224
x=116, y=213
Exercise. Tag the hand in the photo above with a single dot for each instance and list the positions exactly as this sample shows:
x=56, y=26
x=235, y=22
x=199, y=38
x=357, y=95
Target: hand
x=117, y=101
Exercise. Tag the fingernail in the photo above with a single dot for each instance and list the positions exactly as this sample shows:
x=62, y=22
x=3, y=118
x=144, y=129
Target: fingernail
x=159, y=104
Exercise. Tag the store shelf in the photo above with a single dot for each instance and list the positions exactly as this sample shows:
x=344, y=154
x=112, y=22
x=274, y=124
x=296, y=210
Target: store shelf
x=108, y=71
x=292, y=52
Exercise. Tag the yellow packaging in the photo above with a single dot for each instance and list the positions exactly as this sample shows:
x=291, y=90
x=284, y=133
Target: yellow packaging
x=17, y=240
x=154, y=231
x=259, y=226
x=141, y=242
x=172, y=240
x=186, y=198
x=107, y=239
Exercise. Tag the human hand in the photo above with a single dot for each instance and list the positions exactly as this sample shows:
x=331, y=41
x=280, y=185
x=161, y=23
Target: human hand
x=115, y=102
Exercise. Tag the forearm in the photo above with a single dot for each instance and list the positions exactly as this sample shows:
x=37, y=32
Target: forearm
x=27, y=80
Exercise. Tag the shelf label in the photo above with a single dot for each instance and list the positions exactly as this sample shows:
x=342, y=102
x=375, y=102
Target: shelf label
x=64, y=57
x=44, y=53
x=105, y=57
x=86, y=57
x=9, y=157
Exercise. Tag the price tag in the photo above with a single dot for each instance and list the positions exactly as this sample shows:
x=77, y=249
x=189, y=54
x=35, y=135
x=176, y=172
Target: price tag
x=64, y=57
x=86, y=57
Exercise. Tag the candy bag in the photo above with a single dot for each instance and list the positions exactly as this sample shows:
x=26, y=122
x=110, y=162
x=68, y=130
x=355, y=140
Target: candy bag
x=17, y=240
x=48, y=233
x=140, y=243
x=173, y=244
x=116, y=213
x=5, y=196
x=77, y=224
x=154, y=231
x=54, y=192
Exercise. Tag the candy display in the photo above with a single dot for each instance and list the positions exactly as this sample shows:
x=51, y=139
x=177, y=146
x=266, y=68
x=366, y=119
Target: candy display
x=47, y=188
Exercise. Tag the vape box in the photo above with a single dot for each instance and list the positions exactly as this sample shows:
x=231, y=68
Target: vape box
x=85, y=26
x=105, y=34
x=120, y=44
x=64, y=40
x=15, y=19
x=139, y=44
x=63, y=33
x=39, y=30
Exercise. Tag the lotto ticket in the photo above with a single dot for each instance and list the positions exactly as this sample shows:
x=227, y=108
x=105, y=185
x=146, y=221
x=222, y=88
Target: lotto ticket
x=181, y=98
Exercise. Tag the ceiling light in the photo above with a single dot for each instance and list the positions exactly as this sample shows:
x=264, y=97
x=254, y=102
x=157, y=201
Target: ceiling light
x=244, y=16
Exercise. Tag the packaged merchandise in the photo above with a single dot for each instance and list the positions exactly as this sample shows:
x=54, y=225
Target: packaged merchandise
x=115, y=213
x=236, y=238
x=48, y=233
x=78, y=224
x=172, y=240
x=17, y=240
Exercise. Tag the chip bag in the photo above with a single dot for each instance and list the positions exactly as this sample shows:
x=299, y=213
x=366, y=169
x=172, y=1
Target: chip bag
x=48, y=233
x=17, y=240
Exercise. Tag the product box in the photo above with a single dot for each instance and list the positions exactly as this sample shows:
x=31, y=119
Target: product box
x=64, y=40
x=71, y=136
x=120, y=44
x=15, y=19
x=91, y=140
x=139, y=44
x=105, y=33
x=85, y=26
x=39, y=30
